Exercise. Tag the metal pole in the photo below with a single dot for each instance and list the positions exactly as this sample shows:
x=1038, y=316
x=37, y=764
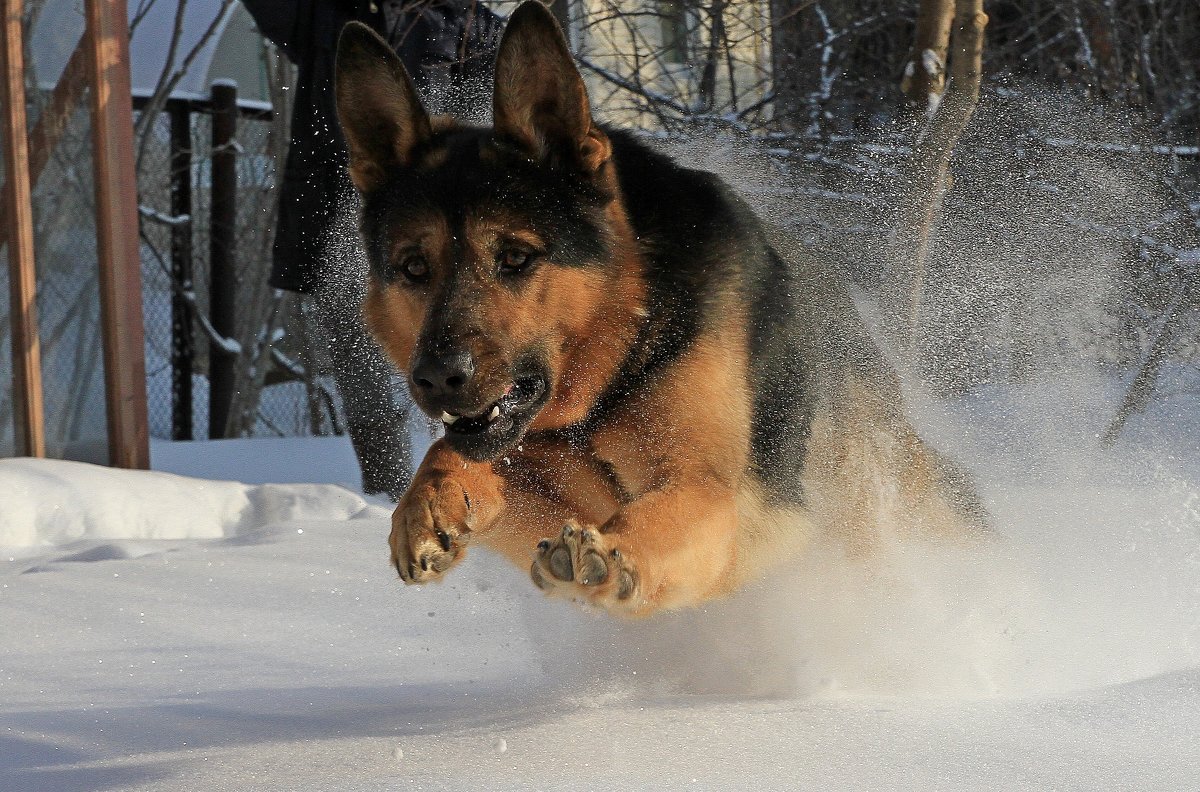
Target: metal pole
x=29, y=424
x=183, y=343
x=223, y=274
x=117, y=234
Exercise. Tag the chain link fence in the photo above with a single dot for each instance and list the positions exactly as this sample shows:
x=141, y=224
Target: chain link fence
x=67, y=305
x=270, y=341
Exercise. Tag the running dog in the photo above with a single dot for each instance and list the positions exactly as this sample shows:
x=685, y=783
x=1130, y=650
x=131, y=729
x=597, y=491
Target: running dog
x=640, y=392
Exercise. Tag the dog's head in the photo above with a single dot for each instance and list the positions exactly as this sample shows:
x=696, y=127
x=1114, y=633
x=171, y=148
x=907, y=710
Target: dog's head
x=504, y=280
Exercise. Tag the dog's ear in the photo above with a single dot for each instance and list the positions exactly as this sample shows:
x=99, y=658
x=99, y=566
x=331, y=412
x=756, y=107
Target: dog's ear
x=540, y=99
x=377, y=105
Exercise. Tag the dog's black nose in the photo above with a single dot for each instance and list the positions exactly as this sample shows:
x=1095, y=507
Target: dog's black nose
x=443, y=376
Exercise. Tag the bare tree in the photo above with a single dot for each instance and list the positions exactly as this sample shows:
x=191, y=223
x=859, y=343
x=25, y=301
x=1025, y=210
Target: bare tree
x=929, y=164
x=925, y=72
x=1185, y=297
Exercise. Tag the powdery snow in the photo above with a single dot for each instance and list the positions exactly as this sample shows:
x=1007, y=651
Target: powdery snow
x=169, y=633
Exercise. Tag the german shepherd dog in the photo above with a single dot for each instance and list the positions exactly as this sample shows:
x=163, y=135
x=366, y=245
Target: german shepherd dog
x=639, y=392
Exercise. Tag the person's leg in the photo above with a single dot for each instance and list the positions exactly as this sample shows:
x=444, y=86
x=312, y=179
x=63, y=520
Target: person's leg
x=376, y=421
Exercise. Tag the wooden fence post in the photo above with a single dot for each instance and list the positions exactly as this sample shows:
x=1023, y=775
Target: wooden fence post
x=222, y=260
x=29, y=424
x=117, y=242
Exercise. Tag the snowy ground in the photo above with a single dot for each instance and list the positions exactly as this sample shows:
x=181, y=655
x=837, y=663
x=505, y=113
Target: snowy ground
x=171, y=633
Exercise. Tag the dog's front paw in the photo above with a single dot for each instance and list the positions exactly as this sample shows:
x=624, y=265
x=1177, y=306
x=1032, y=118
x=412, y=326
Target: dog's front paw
x=430, y=529
x=584, y=564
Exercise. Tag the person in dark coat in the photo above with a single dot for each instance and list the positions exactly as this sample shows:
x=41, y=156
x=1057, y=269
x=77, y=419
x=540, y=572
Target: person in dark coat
x=449, y=47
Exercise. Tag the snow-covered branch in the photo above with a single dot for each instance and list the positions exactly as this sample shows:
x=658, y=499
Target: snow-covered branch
x=155, y=216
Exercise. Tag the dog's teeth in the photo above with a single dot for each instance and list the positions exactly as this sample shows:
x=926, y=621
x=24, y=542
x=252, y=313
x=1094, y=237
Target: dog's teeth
x=447, y=418
x=495, y=413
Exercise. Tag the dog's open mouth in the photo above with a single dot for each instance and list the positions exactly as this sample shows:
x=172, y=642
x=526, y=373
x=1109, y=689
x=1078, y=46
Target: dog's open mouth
x=499, y=417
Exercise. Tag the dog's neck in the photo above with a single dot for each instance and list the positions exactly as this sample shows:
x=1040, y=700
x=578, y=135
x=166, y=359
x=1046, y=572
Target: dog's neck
x=592, y=359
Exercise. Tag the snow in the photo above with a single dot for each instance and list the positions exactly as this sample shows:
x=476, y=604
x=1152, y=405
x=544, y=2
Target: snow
x=150, y=213
x=53, y=504
x=173, y=633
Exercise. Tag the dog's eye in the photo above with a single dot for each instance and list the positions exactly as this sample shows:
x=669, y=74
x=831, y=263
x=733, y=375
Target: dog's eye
x=513, y=260
x=414, y=267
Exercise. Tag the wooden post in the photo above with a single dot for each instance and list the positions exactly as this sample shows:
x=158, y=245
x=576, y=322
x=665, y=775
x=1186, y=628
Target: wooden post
x=183, y=343
x=29, y=425
x=46, y=133
x=117, y=241
x=223, y=273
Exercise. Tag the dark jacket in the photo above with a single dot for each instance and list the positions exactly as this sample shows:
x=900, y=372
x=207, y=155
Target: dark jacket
x=441, y=42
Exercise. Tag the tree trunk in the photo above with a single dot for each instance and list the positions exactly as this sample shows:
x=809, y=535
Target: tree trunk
x=794, y=60
x=921, y=203
x=925, y=72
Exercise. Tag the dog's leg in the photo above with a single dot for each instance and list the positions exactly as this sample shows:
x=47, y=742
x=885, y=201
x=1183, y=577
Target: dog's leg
x=507, y=505
x=450, y=497
x=680, y=450
x=548, y=484
x=669, y=548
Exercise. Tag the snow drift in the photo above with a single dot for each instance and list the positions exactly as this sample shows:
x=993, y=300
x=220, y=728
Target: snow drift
x=50, y=503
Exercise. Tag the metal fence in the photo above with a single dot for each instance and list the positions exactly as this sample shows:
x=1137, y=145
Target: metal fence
x=218, y=339
x=67, y=301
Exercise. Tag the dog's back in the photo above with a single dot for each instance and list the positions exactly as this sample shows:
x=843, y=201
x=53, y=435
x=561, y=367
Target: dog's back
x=831, y=448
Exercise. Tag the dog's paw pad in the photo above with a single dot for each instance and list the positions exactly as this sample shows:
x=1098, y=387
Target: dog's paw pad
x=592, y=569
x=582, y=563
x=560, y=564
x=626, y=585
